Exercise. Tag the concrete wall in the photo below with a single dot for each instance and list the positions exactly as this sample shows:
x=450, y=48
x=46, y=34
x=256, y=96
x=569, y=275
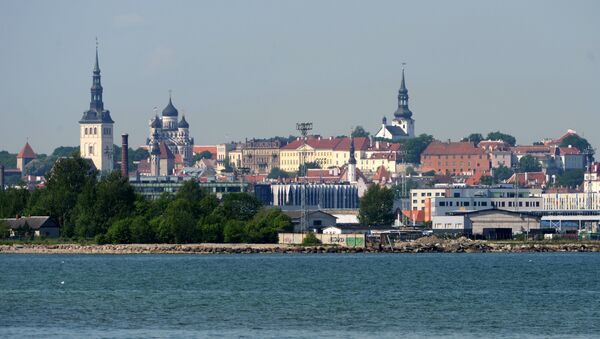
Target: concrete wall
x=346, y=240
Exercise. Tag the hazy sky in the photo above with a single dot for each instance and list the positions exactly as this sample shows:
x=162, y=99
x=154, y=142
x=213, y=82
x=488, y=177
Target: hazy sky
x=254, y=68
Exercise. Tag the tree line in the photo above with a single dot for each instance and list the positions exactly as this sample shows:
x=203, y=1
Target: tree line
x=107, y=209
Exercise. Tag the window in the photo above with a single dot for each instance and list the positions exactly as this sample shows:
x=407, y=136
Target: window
x=442, y=203
x=91, y=150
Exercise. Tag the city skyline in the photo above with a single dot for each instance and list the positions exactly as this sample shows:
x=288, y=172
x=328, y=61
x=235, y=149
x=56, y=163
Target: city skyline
x=242, y=70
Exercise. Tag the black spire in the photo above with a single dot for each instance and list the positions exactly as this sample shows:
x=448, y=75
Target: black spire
x=403, y=111
x=352, y=159
x=96, y=91
x=96, y=113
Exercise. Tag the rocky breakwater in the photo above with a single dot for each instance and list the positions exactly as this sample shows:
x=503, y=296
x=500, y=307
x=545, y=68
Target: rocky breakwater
x=465, y=245
x=430, y=244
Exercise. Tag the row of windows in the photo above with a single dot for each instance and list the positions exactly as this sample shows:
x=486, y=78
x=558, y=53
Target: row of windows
x=485, y=203
x=429, y=194
x=94, y=131
x=453, y=156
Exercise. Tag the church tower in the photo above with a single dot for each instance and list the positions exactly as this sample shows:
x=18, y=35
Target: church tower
x=403, y=125
x=352, y=163
x=96, y=127
x=403, y=115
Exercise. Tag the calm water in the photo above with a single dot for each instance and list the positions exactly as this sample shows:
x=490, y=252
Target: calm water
x=295, y=296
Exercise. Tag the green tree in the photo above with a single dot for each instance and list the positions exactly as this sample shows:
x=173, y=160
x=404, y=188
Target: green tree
x=415, y=146
x=4, y=230
x=576, y=141
x=234, y=232
x=529, y=164
x=141, y=230
x=9, y=160
x=502, y=173
x=191, y=190
x=202, y=155
x=570, y=178
x=178, y=224
x=119, y=232
x=376, y=206
x=311, y=240
x=13, y=201
x=65, y=151
x=67, y=179
x=486, y=180
x=265, y=225
x=239, y=206
x=509, y=139
x=475, y=138
x=101, y=204
x=359, y=131
x=277, y=173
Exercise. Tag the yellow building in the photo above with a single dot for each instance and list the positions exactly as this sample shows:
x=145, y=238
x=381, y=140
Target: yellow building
x=335, y=152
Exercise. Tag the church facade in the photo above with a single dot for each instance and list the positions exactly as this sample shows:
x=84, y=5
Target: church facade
x=96, y=128
x=403, y=125
x=173, y=133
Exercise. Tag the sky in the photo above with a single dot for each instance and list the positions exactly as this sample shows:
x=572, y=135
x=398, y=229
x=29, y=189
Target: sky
x=252, y=69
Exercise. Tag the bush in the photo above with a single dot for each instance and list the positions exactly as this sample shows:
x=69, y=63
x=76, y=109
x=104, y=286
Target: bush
x=311, y=240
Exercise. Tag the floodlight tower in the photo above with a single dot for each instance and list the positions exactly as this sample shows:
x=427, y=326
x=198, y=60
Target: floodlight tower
x=303, y=128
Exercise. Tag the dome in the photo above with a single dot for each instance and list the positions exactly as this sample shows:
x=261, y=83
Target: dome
x=183, y=123
x=170, y=110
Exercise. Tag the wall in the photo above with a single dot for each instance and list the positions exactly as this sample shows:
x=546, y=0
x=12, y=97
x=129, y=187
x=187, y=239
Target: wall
x=345, y=240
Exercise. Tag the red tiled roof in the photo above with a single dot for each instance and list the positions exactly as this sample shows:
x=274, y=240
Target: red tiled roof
x=569, y=150
x=360, y=144
x=26, y=152
x=382, y=174
x=522, y=149
x=553, y=142
x=450, y=148
x=316, y=143
x=200, y=149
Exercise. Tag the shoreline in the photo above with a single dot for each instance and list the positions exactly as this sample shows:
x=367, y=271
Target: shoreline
x=423, y=245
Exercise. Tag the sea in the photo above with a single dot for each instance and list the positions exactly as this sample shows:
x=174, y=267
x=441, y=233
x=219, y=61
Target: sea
x=501, y=295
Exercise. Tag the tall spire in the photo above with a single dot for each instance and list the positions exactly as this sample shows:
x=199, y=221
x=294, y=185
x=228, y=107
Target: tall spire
x=403, y=84
x=97, y=66
x=403, y=111
x=96, y=102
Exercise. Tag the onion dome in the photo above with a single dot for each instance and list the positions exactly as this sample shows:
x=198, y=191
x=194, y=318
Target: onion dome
x=170, y=110
x=183, y=123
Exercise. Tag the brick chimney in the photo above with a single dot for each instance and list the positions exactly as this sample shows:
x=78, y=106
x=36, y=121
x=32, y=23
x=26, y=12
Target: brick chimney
x=124, y=156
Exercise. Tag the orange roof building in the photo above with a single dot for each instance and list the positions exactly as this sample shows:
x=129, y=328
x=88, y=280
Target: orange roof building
x=25, y=156
x=454, y=158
